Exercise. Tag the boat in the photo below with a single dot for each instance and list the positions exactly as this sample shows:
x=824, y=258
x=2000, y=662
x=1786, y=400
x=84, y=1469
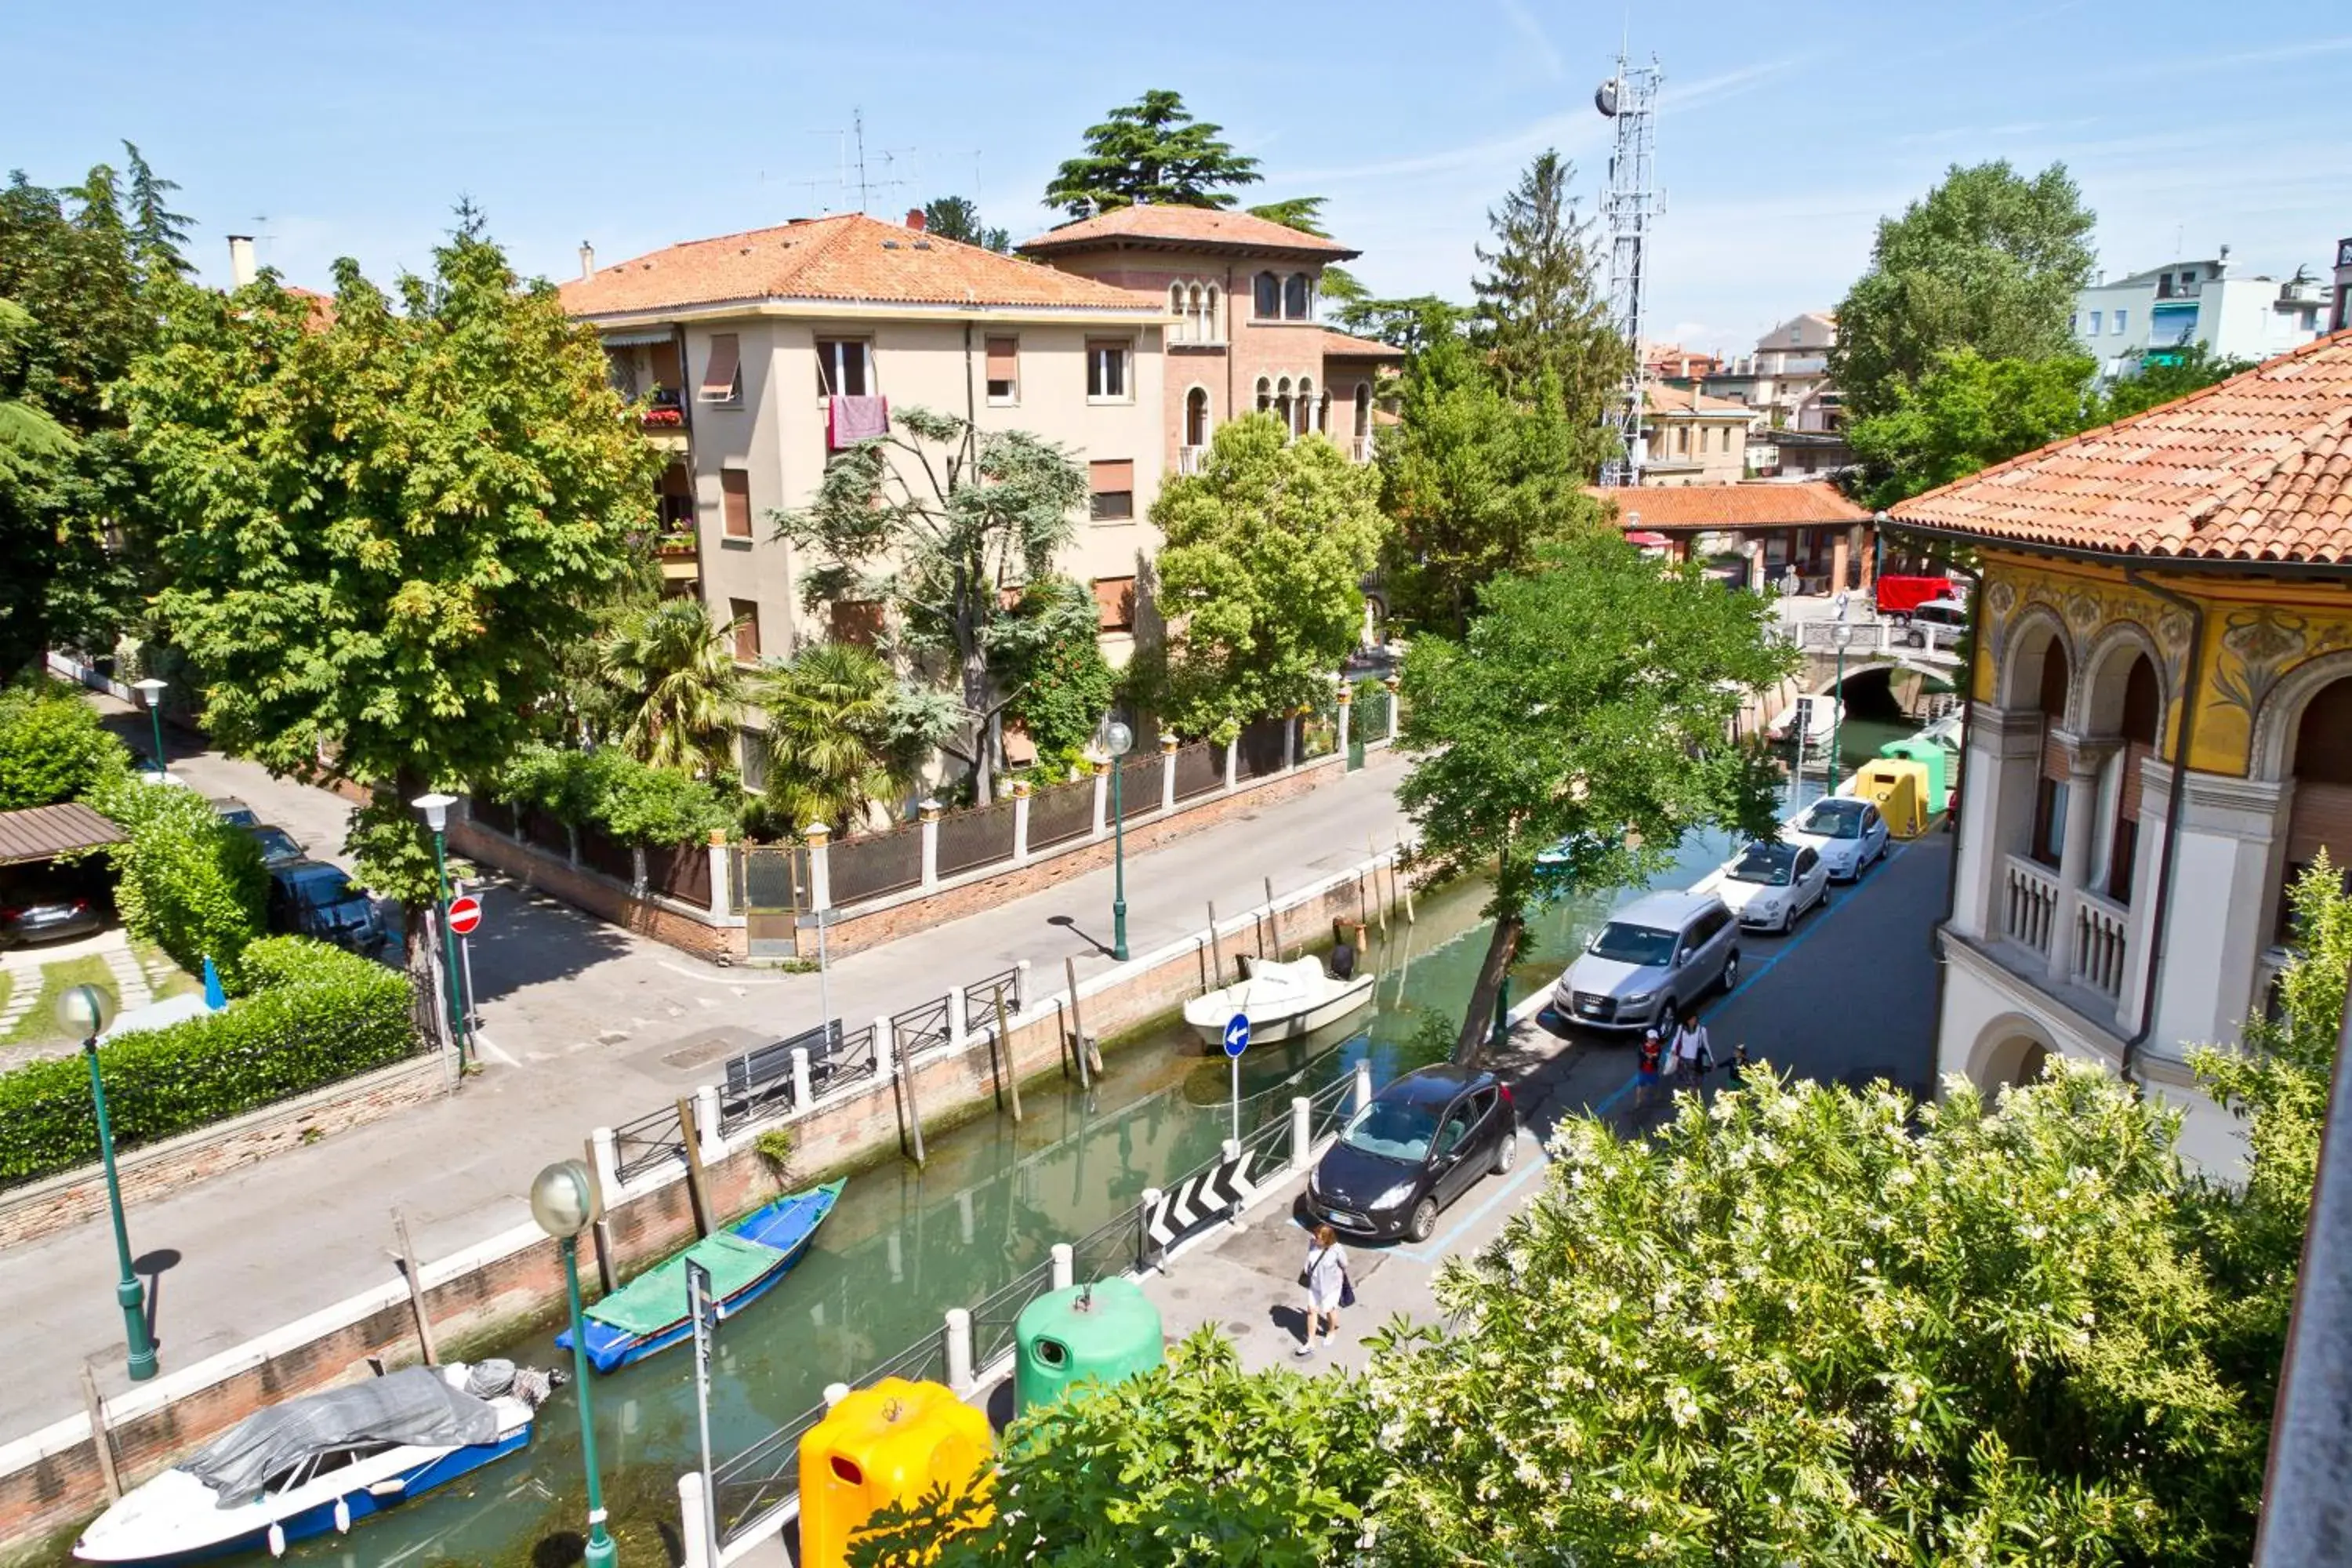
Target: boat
x=1281, y=1001
x=1821, y=720
x=322, y=1462
x=745, y=1260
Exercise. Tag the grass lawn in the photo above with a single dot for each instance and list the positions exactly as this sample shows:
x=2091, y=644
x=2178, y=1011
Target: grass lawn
x=41, y=1022
x=6, y=982
x=175, y=981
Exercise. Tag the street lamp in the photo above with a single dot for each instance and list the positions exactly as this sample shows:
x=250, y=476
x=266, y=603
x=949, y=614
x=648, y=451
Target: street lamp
x=563, y=1200
x=153, y=690
x=1117, y=740
x=1844, y=635
x=84, y=1010
x=436, y=807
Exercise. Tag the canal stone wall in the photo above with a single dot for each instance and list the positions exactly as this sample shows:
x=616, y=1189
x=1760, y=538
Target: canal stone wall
x=53, y=1479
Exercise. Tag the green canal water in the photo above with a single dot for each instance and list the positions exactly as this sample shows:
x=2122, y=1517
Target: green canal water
x=903, y=1245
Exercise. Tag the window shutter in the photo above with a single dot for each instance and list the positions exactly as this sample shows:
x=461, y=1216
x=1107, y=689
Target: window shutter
x=1003, y=354
x=1115, y=603
x=665, y=363
x=2053, y=755
x=2321, y=818
x=2135, y=754
x=735, y=492
x=720, y=375
x=1112, y=474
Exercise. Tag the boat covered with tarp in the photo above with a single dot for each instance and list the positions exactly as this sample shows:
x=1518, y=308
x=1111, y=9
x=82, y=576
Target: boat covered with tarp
x=745, y=1261
x=322, y=1462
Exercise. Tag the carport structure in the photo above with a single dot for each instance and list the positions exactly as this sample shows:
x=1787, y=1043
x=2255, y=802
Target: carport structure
x=45, y=832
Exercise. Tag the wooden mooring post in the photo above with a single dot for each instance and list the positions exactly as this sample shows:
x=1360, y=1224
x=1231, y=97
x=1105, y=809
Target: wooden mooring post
x=694, y=1188
x=99, y=1438
x=601, y=1228
x=408, y=1261
x=1216, y=953
x=910, y=1119
x=1003, y=1045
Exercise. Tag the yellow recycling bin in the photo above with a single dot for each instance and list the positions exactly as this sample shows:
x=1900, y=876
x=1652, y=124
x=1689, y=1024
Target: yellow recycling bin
x=1899, y=790
x=891, y=1443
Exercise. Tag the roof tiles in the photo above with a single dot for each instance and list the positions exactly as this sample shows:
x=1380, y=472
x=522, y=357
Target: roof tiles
x=1198, y=227
x=2256, y=469
x=1339, y=345
x=1812, y=504
x=850, y=257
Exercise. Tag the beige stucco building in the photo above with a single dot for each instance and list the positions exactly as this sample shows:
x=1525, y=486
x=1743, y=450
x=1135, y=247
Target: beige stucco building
x=1691, y=439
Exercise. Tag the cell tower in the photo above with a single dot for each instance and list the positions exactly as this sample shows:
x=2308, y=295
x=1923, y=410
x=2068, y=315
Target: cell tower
x=1630, y=97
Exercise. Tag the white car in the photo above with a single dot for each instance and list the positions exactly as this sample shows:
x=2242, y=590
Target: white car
x=1848, y=834
x=1768, y=885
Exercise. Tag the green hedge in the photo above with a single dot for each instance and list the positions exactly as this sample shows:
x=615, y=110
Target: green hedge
x=52, y=746
x=608, y=790
x=317, y=1015
x=184, y=880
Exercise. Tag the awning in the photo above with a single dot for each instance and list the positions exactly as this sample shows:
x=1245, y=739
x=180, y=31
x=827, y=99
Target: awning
x=1648, y=540
x=45, y=832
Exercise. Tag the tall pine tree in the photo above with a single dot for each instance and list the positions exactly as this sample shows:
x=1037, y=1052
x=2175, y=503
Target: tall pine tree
x=1539, y=311
x=157, y=233
x=1151, y=151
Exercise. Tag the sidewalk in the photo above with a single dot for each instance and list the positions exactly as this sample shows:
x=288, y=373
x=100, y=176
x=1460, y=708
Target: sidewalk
x=587, y=1025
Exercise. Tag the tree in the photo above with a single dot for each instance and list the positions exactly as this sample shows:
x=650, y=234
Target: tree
x=1050, y=660
x=954, y=217
x=1151, y=151
x=1587, y=710
x=184, y=879
x=386, y=528
x=674, y=686
x=1539, y=310
x=2165, y=377
x=1968, y=413
x=1412, y=324
x=1989, y=260
x=52, y=746
x=936, y=519
x=158, y=235
x=1474, y=483
x=832, y=756
x=1261, y=576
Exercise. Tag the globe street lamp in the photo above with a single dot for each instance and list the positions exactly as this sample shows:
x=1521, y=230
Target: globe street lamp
x=562, y=1201
x=1117, y=740
x=436, y=807
x=1837, y=719
x=84, y=1010
x=153, y=690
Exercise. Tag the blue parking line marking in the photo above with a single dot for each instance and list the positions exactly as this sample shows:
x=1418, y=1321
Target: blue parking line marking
x=1433, y=1251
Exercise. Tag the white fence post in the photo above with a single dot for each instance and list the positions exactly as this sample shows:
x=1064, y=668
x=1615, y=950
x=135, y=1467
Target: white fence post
x=1167, y=772
x=958, y=1017
x=1020, y=986
x=1232, y=765
x=958, y=1334
x=1066, y=1267
x=1019, y=822
x=723, y=889
x=1302, y=1131
x=802, y=1095
x=693, y=1513
x=820, y=888
x=1393, y=684
x=1290, y=742
x=608, y=1163
x=1347, y=714
x=706, y=1122
x=886, y=1054
x=835, y=1393
x=930, y=810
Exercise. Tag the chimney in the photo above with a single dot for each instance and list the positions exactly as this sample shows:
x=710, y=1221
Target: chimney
x=240, y=261
x=915, y=219
x=587, y=259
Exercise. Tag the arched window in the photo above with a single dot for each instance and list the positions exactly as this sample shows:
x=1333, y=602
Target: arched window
x=1182, y=331
x=1196, y=313
x=2050, y=788
x=1323, y=412
x=1363, y=409
x=1216, y=326
x=2321, y=808
x=1196, y=417
x=1303, y=419
x=1281, y=402
x=1295, y=297
x=1265, y=395
x=1267, y=304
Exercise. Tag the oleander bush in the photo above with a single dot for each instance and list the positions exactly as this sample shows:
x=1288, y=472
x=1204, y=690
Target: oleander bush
x=316, y=1015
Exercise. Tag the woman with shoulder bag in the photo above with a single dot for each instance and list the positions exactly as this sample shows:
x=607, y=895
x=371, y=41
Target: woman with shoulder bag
x=1327, y=1286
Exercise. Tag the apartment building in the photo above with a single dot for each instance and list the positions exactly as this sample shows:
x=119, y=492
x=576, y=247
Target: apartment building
x=2140, y=319
x=1245, y=297
x=1787, y=379
x=763, y=352
x=1691, y=439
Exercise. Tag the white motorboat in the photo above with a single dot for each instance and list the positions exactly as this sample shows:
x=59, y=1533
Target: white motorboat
x=321, y=1463
x=1282, y=1001
x=1821, y=718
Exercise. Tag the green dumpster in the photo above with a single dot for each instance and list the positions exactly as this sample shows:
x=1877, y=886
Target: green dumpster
x=1931, y=756
x=1105, y=1331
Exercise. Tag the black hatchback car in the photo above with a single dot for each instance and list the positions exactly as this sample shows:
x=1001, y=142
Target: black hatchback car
x=1423, y=1141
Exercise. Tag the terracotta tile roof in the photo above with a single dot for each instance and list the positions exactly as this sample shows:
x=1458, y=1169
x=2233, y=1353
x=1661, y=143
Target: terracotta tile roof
x=1339, y=345
x=1197, y=228
x=850, y=257
x=2256, y=469
x=1671, y=400
x=1731, y=506
x=45, y=832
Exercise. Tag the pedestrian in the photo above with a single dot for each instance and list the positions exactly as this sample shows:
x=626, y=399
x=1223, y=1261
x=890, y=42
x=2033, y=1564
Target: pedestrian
x=1645, y=1070
x=1693, y=1055
x=1326, y=1279
x=1738, y=1065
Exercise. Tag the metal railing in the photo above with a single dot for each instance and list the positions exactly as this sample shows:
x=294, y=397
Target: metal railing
x=1060, y=814
x=993, y=1317
x=638, y=1146
x=982, y=992
x=762, y=1479
x=1329, y=1107
x=1112, y=1248
x=921, y=1028
x=852, y=1062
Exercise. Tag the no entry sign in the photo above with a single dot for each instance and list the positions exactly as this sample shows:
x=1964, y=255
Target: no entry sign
x=464, y=914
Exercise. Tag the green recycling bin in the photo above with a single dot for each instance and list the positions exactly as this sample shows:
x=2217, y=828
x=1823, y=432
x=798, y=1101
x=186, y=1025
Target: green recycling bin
x=1931, y=756
x=1105, y=1330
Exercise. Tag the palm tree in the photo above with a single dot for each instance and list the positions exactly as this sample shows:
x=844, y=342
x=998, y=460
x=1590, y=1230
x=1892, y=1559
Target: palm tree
x=831, y=756
x=675, y=687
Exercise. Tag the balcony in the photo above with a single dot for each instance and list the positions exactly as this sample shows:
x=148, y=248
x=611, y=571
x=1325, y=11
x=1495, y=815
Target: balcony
x=1359, y=449
x=2029, y=902
x=1192, y=459
x=665, y=411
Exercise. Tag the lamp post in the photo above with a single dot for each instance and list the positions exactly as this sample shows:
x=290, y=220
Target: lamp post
x=1117, y=740
x=436, y=807
x=84, y=1010
x=1837, y=720
x=153, y=690
x=562, y=1202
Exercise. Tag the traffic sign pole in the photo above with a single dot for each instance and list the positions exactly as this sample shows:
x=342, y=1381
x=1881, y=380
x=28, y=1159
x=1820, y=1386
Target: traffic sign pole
x=702, y=1308
x=1236, y=1037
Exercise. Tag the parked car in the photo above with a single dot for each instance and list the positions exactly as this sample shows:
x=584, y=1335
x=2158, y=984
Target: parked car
x=310, y=898
x=1768, y=885
x=1946, y=616
x=1655, y=956
x=278, y=847
x=1848, y=835
x=48, y=907
x=236, y=813
x=1422, y=1142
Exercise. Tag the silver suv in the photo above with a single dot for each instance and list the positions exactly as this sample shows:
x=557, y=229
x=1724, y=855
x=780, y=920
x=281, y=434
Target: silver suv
x=1654, y=957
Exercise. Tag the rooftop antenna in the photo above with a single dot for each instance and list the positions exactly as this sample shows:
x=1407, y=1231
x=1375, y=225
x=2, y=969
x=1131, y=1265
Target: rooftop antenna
x=1629, y=99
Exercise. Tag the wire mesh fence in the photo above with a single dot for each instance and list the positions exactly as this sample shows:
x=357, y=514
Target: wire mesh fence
x=1138, y=783
x=1061, y=814
x=1200, y=768
x=969, y=840
x=1262, y=747
x=869, y=867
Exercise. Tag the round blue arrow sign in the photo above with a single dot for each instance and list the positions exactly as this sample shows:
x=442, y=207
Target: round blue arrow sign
x=1236, y=1035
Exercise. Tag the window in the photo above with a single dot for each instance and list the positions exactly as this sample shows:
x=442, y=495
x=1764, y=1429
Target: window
x=1112, y=482
x=735, y=500
x=858, y=621
x=1296, y=297
x=1210, y=319
x=722, y=374
x=1115, y=604
x=1003, y=370
x=745, y=613
x=1266, y=302
x=1303, y=410
x=2097, y=316
x=1265, y=395
x=843, y=367
x=751, y=754
x=1107, y=371
x=1196, y=417
x=2049, y=821
x=1363, y=409
x=2119, y=321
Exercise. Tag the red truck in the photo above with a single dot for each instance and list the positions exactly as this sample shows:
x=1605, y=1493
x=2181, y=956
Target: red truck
x=1898, y=597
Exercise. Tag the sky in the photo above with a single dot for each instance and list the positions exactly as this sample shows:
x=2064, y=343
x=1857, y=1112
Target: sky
x=1784, y=133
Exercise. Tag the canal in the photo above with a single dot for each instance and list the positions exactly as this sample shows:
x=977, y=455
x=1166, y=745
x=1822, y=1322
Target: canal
x=903, y=1245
